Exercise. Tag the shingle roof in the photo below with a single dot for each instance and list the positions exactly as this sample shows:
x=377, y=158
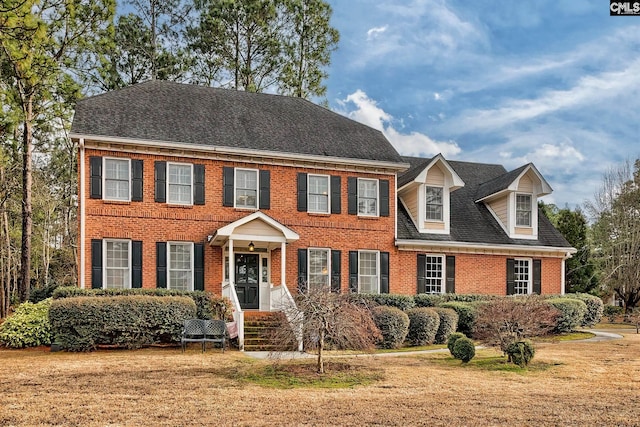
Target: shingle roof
x=499, y=183
x=172, y=112
x=472, y=222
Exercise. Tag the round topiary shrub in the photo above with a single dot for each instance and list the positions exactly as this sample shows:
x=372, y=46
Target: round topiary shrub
x=393, y=324
x=464, y=349
x=467, y=313
x=448, y=324
x=595, y=308
x=451, y=341
x=572, y=312
x=28, y=326
x=521, y=352
x=423, y=325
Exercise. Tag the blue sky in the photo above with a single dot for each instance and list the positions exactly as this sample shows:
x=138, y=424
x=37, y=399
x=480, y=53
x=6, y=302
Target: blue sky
x=556, y=83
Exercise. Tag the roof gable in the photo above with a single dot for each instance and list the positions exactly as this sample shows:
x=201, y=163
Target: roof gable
x=509, y=182
x=418, y=172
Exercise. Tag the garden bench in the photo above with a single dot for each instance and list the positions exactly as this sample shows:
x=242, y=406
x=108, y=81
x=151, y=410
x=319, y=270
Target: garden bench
x=204, y=331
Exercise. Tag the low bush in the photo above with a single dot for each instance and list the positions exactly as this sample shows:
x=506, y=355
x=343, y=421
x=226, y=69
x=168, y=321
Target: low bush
x=83, y=323
x=613, y=311
x=28, y=326
x=403, y=302
x=595, y=308
x=209, y=306
x=428, y=300
x=572, y=312
x=448, y=323
x=393, y=324
x=464, y=349
x=467, y=313
x=41, y=294
x=434, y=300
x=452, y=340
x=423, y=326
x=521, y=352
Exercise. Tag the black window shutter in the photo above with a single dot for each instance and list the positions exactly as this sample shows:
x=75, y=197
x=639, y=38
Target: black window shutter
x=352, y=195
x=384, y=272
x=384, y=197
x=422, y=265
x=198, y=267
x=95, y=173
x=136, y=264
x=96, y=264
x=335, y=271
x=336, y=194
x=353, y=271
x=302, y=192
x=227, y=184
x=161, y=264
x=451, y=275
x=537, y=276
x=137, y=169
x=160, y=169
x=302, y=270
x=198, y=184
x=265, y=189
x=511, y=276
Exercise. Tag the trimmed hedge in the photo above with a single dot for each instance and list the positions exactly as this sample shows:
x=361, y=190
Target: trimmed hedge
x=83, y=323
x=428, y=300
x=572, y=312
x=467, y=313
x=28, y=326
x=403, y=302
x=521, y=352
x=393, y=324
x=423, y=326
x=434, y=300
x=595, y=308
x=209, y=306
x=463, y=349
x=448, y=323
x=451, y=341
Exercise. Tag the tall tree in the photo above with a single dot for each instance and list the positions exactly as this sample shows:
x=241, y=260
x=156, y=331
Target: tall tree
x=616, y=232
x=580, y=271
x=39, y=39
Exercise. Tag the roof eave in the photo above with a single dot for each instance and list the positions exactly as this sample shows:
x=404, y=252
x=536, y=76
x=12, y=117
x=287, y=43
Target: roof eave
x=411, y=244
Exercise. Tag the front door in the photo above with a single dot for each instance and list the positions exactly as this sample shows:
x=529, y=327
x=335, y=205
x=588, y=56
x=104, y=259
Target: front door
x=247, y=280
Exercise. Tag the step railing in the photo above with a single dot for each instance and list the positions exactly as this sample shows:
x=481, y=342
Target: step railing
x=282, y=300
x=229, y=291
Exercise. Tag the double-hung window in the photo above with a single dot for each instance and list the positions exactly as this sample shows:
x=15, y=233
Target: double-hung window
x=179, y=183
x=117, y=179
x=180, y=266
x=523, y=210
x=434, y=276
x=433, y=203
x=318, y=190
x=522, y=276
x=367, y=197
x=246, y=188
x=368, y=272
x=117, y=262
x=319, y=268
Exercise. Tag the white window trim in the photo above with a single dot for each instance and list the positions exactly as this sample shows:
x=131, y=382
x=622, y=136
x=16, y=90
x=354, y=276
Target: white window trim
x=191, y=266
x=377, y=181
x=104, y=261
x=530, y=209
x=444, y=193
x=235, y=188
x=190, y=203
x=511, y=218
x=443, y=279
x=104, y=178
x=328, y=251
x=529, y=279
x=377, y=291
x=422, y=209
x=328, y=177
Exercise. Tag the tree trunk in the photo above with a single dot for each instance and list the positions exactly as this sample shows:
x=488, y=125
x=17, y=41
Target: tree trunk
x=320, y=350
x=27, y=211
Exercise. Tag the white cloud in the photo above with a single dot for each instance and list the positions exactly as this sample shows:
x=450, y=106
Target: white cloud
x=358, y=106
x=375, y=32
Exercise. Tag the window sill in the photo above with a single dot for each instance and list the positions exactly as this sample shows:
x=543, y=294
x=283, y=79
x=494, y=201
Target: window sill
x=171, y=205
x=116, y=202
x=369, y=216
x=321, y=214
x=237, y=209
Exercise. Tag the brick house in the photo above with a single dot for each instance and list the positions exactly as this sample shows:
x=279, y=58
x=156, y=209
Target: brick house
x=252, y=195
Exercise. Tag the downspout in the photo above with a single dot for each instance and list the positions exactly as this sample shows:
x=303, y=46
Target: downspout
x=81, y=200
x=562, y=276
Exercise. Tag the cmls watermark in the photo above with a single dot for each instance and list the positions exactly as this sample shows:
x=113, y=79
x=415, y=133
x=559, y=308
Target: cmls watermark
x=623, y=8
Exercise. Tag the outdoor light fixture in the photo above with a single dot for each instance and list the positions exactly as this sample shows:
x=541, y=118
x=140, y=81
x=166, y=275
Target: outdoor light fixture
x=251, y=247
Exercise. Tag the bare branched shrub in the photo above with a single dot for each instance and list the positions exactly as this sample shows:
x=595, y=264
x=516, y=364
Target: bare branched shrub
x=507, y=320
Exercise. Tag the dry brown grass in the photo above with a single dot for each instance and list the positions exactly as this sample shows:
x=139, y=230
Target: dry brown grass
x=582, y=384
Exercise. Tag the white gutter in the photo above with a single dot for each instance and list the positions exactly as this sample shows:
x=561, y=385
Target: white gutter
x=409, y=245
x=246, y=152
x=82, y=201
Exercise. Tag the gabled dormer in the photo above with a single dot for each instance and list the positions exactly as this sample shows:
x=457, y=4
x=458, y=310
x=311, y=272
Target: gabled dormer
x=513, y=200
x=425, y=191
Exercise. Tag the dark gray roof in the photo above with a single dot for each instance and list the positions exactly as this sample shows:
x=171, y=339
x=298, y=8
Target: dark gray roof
x=182, y=113
x=499, y=183
x=416, y=165
x=472, y=222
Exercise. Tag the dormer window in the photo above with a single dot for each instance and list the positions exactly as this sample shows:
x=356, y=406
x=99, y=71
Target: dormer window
x=434, y=203
x=523, y=210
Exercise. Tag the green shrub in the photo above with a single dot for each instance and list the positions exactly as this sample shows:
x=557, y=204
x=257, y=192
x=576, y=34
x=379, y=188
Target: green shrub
x=595, y=308
x=423, y=325
x=612, y=311
x=209, y=306
x=403, y=302
x=521, y=352
x=448, y=323
x=28, y=326
x=428, y=300
x=452, y=340
x=572, y=312
x=464, y=349
x=83, y=323
x=434, y=300
x=393, y=324
x=467, y=313
x=41, y=294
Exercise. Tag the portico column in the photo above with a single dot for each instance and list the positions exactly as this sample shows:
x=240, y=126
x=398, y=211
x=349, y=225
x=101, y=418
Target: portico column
x=232, y=265
x=283, y=264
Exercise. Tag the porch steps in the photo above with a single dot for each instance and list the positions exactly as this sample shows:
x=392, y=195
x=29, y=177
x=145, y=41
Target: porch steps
x=258, y=331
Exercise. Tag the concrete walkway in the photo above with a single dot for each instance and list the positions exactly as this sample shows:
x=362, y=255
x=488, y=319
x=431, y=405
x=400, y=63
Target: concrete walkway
x=288, y=355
